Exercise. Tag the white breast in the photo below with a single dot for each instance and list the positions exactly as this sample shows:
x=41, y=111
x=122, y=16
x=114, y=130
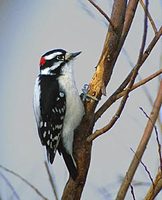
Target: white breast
x=74, y=107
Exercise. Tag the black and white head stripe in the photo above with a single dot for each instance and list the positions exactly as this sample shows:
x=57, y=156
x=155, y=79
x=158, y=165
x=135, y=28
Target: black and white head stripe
x=54, y=54
x=51, y=61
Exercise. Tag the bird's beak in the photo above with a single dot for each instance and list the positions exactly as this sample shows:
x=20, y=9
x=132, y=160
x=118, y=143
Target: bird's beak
x=70, y=56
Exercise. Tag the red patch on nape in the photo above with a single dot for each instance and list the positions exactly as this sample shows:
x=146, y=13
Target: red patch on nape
x=42, y=61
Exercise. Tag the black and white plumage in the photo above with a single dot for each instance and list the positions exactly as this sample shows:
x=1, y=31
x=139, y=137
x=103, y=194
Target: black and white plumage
x=57, y=106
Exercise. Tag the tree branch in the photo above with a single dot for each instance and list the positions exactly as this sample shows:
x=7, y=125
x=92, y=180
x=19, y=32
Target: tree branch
x=132, y=80
x=102, y=12
x=132, y=192
x=107, y=60
x=142, y=146
x=10, y=186
x=155, y=187
x=142, y=82
x=25, y=181
x=144, y=36
x=116, y=95
x=149, y=16
x=145, y=167
x=129, y=16
x=157, y=139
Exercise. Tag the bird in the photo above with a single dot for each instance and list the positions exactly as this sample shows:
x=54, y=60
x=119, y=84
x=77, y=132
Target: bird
x=58, y=107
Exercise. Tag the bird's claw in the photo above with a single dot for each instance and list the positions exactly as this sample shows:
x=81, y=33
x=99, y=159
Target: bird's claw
x=85, y=96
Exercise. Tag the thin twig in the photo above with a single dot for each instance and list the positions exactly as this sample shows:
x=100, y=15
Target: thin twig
x=120, y=92
x=145, y=89
x=51, y=181
x=24, y=180
x=135, y=182
x=102, y=12
x=145, y=167
x=149, y=16
x=157, y=138
x=10, y=186
x=142, y=82
x=156, y=188
x=144, y=35
x=142, y=146
x=132, y=192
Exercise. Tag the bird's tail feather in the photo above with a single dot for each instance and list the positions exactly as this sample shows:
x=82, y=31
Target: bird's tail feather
x=50, y=155
x=70, y=164
x=69, y=161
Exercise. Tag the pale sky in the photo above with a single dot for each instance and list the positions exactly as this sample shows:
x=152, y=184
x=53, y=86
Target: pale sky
x=28, y=30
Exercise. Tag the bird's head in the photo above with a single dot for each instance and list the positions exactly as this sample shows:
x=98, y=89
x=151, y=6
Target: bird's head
x=52, y=62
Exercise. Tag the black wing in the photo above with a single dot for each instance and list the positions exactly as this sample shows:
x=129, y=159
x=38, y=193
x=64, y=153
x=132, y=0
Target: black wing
x=52, y=112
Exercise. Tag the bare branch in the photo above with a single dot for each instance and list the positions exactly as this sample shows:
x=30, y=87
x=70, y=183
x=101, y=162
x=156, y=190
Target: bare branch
x=157, y=139
x=108, y=57
x=142, y=146
x=51, y=181
x=145, y=89
x=142, y=82
x=149, y=17
x=144, y=36
x=112, y=99
x=25, y=181
x=10, y=186
x=119, y=111
x=116, y=95
x=159, y=147
x=132, y=80
x=155, y=188
x=114, y=118
x=132, y=192
x=129, y=16
x=102, y=12
x=145, y=167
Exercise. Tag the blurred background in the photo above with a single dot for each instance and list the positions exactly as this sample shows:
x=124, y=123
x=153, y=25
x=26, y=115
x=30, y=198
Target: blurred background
x=28, y=30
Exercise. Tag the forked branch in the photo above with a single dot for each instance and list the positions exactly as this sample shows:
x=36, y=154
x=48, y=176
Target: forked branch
x=128, y=89
x=120, y=91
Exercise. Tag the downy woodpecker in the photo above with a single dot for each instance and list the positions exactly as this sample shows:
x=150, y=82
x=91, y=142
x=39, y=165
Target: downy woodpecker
x=58, y=108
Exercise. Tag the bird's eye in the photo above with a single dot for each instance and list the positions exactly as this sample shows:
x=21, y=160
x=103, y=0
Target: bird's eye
x=60, y=57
